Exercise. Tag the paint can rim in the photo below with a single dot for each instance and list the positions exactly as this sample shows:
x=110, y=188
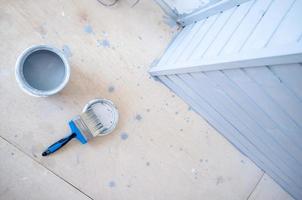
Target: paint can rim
x=113, y=108
x=23, y=83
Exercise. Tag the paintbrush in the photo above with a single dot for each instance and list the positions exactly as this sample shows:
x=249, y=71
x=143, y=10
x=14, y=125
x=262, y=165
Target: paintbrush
x=89, y=124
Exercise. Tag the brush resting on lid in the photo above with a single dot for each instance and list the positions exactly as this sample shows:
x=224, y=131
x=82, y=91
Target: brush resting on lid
x=87, y=125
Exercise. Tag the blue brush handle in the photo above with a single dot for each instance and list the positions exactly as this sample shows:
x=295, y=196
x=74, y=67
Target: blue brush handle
x=51, y=149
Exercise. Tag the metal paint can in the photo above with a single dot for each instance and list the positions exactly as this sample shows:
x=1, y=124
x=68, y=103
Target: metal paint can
x=42, y=70
x=106, y=112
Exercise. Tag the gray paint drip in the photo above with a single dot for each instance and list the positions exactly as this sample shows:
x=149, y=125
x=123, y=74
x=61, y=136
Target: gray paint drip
x=124, y=136
x=104, y=43
x=111, y=184
x=111, y=88
x=88, y=29
x=138, y=117
x=44, y=70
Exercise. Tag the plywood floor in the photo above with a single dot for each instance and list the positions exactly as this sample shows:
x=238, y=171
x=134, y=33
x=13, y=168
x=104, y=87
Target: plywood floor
x=161, y=149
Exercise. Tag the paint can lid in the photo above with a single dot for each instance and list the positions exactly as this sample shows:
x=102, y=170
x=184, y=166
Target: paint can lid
x=106, y=112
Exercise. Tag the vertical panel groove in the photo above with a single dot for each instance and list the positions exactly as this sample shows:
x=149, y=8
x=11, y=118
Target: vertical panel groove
x=216, y=18
x=220, y=30
x=291, y=6
x=255, y=26
x=226, y=42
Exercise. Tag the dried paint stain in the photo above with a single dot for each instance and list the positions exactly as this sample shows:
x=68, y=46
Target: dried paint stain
x=219, y=180
x=111, y=184
x=104, y=43
x=124, y=136
x=138, y=117
x=88, y=29
x=111, y=88
x=66, y=50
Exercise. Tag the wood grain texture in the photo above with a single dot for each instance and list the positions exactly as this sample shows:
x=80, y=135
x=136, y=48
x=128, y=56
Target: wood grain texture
x=23, y=178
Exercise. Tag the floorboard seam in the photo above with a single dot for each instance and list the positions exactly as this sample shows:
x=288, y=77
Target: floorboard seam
x=14, y=145
x=254, y=188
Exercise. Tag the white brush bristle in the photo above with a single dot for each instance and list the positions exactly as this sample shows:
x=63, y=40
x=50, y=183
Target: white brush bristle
x=92, y=122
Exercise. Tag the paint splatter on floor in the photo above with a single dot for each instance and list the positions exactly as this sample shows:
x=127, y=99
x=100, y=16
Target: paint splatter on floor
x=219, y=180
x=148, y=164
x=138, y=117
x=66, y=50
x=111, y=88
x=124, y=136
x=111, y=184
x=103, y=43
x=105, y=33
x=88, y=29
